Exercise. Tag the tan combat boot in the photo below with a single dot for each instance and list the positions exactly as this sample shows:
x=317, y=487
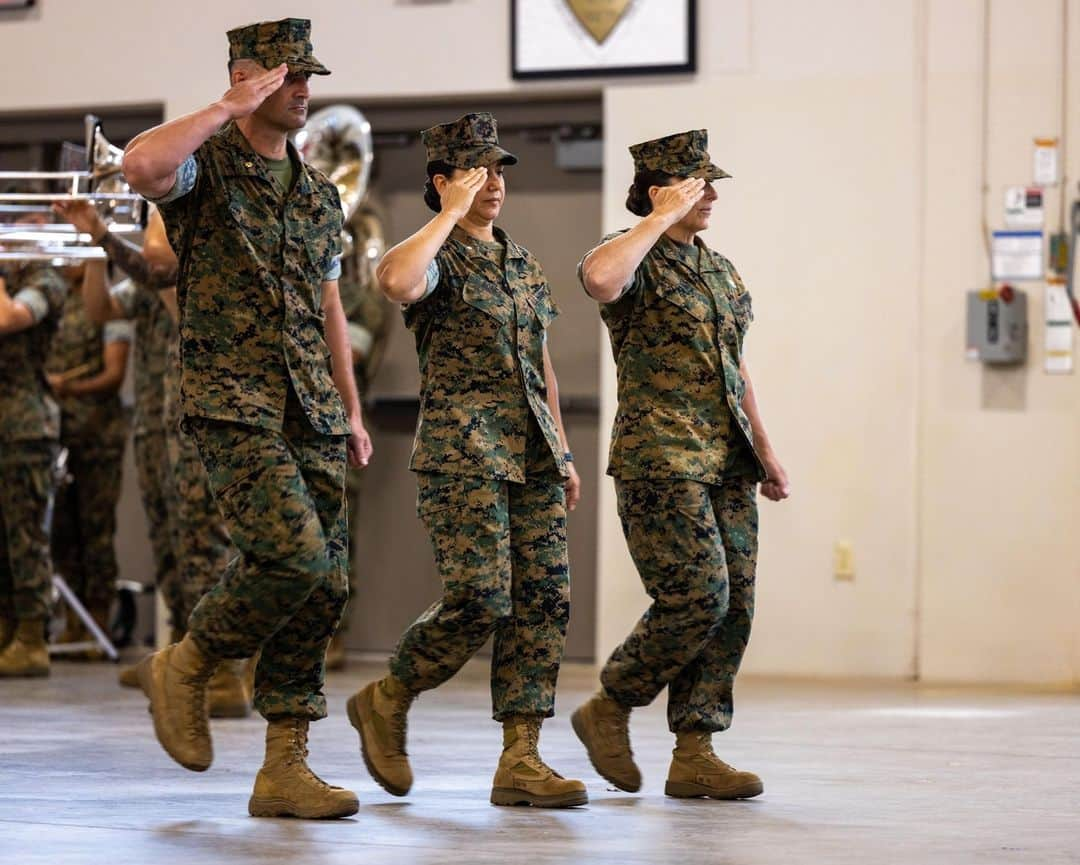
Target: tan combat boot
x=522, y=778
x=128, y=677
x=379, y=713
x=286, y=787
x=27, y=653
x=603, y=726
x=696, y=771
x=228, y=690
x=175, y=680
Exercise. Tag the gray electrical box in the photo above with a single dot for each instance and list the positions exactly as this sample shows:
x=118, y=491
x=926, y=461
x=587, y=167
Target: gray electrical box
x=997, y=326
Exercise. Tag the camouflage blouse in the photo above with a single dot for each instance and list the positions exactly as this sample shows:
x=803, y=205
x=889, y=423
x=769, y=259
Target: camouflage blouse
x=480, y=334
x=677, y=335
x=253, y=258
x=27, y=409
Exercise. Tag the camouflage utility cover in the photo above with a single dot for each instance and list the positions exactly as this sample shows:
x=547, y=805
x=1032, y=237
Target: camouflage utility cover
x=685, y=154
x=250, y=288
x=468, y=142
x=677, y=336
x=27, y=409
x=271, y=43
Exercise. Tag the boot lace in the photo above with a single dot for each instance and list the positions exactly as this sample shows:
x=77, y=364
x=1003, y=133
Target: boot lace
x=298, y=753
x=399, y=722
x=198, y=721
x=613, y=722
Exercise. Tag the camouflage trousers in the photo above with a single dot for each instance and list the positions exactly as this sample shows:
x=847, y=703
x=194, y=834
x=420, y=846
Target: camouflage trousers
x=282, y=497
x=501, y=553
x=695, y=547
x=25, y=563
x=152, y=463
x=199, y=538
x=353, y=488
x=84, y=522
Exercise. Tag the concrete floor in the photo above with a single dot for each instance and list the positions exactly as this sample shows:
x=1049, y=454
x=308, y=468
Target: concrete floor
x=853, y=773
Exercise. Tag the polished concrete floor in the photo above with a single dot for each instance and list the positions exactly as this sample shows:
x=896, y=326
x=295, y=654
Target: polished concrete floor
x=853, y=774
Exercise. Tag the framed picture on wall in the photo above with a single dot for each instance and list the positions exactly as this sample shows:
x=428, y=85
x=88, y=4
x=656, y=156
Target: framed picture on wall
x=578, y=38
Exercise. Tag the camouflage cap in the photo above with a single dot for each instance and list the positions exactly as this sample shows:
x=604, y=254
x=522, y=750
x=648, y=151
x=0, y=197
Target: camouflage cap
x=271, y=43
x=684, y=154
x=468, y=142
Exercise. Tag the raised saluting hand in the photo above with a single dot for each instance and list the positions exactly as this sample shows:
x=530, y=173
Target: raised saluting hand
x=245, y=96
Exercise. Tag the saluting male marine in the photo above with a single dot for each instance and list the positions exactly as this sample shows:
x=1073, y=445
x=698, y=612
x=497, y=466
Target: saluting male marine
x=688, y=449
x=268, y=395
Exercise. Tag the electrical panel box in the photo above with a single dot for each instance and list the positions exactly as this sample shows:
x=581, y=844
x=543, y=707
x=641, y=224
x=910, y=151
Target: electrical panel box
x=997, y=326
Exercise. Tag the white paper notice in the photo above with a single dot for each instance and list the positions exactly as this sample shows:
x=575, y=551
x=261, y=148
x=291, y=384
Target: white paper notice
x=1024, y=207
x=1017, y=255
x=1059, y=328
x=1045, y=170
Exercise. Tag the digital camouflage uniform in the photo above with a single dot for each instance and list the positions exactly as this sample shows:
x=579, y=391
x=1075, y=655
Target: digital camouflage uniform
x=29, y=430
x=367, y=312
x=198, y=537
x=684, y=466
x=93, y=428
x=257, y=397
x=154, y=328
x=490, y=470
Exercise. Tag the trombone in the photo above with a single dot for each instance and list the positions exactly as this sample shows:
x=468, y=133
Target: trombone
x=27, y=230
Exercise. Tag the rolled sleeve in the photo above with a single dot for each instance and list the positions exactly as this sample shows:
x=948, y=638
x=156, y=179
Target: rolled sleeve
x=124, y=293
x=186, y=175
x=334, y=271
x=118, y=331
x=35, y=301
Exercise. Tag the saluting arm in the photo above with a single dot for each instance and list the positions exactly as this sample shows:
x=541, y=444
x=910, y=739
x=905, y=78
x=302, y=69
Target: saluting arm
x=152, y=157
x=608, y=269
x=401, y=272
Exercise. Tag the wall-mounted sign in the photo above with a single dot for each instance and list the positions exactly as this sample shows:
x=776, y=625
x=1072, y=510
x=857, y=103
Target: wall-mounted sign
x=1045, y=169
x=1017, y=255
x=1024, y=207
x=1059, y=328
x=572, y=38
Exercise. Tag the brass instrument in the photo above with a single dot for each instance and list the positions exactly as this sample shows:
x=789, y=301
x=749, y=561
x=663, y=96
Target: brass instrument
x=28, y=231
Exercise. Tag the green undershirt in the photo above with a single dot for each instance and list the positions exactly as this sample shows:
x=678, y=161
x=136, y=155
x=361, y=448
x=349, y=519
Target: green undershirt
x=283, y=171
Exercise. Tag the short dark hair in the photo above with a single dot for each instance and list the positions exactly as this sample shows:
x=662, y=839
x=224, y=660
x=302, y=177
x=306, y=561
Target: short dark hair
x=431, y=194
x=637, y=196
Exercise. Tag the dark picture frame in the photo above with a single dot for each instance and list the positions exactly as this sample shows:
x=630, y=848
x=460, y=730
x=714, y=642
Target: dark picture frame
x=597, y=70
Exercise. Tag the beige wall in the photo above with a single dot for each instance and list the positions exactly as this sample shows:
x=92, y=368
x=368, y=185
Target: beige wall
x=135, y=51
x=854, y=217
x=854, y=130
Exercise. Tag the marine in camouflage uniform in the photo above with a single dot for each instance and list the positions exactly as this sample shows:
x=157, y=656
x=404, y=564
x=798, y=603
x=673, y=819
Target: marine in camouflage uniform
x=154, y=329
x=258, y=241
x=686, y=473
x=93, y=428
x=491, y=475
x=198, y=537
x=31, y=302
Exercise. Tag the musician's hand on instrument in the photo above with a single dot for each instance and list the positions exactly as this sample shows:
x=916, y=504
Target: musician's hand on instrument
x=57, y=384
x=247, y=94
x=83, y=215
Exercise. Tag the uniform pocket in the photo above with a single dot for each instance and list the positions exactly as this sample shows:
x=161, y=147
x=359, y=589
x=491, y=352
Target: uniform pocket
x=685, y=297
x=543, y=305
x=437, y=493
x=489, y=298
